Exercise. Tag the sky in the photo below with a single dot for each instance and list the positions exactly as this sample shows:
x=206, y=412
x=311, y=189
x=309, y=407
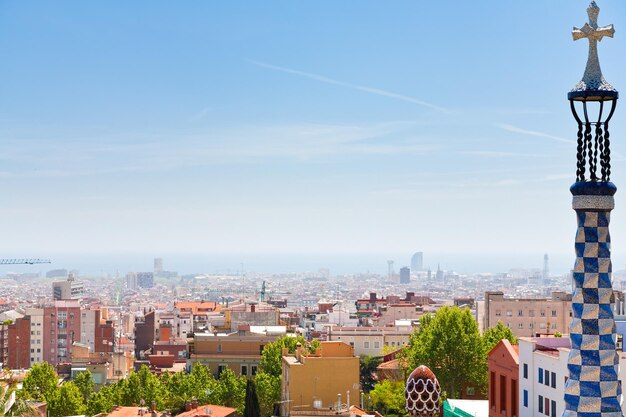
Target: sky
x=298, y=129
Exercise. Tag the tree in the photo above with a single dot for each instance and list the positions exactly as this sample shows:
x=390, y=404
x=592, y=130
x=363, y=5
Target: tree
x=450, y=344
x=13, y=406
x=252, y=407
x=367, y=368
x=272, y=355
x=85, y=384
x=41, y=383
x=67, y=401
x=101, y=401
x=269, y=391
x=231, y=390
x=493, y=335
x=388, y=398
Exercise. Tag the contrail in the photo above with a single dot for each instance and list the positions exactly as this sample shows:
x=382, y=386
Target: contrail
x=370, y=90
x=515, y=129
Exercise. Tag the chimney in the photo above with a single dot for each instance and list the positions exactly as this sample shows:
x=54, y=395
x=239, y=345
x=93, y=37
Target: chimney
x=372, y=297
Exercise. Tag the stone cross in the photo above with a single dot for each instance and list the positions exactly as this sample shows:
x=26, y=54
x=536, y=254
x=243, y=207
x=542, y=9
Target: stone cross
x=593, y=79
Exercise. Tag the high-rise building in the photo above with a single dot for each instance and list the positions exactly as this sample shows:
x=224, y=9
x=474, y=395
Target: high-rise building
x=145, y=279
x=158, y=265
x=131, y=281
x=405, y=275
x=417, y=261
x=61, y=329
x=69, y=289
x=390, y=271
x=546, y=270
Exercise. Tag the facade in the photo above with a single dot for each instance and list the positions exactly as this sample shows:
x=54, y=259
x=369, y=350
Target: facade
x=145, y=328
x=36, y=334
x=503, y=363
x=371, y=340
x=4, y=345
x=528, y=317
x=417, y=261
x=69, y=289
x=131, y=281
x=19, y=343
x=315, y=381
x=251, y=314
x=405, y=275
x=145, y=279
x=61, y=328
x=240, y=351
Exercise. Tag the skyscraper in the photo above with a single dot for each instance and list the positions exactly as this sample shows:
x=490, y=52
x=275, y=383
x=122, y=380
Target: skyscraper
x=158, y=265
x=417, y=261
x=405, y=275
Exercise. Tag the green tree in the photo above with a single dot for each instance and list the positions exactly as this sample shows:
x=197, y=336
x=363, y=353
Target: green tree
x=388, y=398
x=493, y=335
x=41, y=383
x=101, y=401
x=13, y=406
x=251, y=403
x=450, y=344
x=67, y=401
x=84, y=382
x=231, y=390
x=272, y=356
x=269, y=391
x=367, y=368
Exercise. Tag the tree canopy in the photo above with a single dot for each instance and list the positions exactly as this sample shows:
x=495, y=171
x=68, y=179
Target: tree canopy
x=450, y=344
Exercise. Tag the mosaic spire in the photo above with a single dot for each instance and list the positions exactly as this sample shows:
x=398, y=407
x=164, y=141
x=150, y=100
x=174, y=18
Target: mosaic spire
x=593, y=388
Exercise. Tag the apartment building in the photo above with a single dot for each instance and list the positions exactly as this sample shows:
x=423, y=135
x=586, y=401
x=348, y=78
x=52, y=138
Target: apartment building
x=528, y=317
x=61, y=329
x=315, y=382
x=371, y=340
x=503, y=364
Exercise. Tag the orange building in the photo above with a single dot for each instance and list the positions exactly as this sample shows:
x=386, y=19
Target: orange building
x=503, y=362
x=327, y=378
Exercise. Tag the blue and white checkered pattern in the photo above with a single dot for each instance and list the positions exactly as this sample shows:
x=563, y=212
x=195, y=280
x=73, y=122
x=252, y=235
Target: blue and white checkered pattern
x=592, y=389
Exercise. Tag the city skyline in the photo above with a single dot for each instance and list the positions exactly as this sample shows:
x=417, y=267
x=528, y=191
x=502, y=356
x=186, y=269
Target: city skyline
x=329, y=129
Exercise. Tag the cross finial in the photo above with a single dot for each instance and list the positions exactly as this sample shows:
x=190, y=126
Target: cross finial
x=593, y=80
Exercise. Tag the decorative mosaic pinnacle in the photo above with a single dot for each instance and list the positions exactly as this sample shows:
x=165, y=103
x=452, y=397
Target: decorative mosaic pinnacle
x=593, y=80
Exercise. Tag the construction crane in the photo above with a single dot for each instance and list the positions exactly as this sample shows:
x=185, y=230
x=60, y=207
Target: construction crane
x=28, y=261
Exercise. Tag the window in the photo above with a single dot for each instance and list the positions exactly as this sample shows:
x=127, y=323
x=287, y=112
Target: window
x=554, y=326
x=553, y=313
x=531, y=313
x=219, y=348
x=546, y=407
x=530, y=326
x=509, y=313
x=253, y=370
x=498, y=313
x=470, y=391
x=526, y=398
x=220, y=369
x=553, y=408
x=542, y=313
x=520, y=313
x=503, y=395
x=244, y=370
x=553, y=380
x=366, y=345
x=546, y=377
x=260, y=349
x=520, y=325
x=540, y=404
x=492, y=389
x=514, y=393
x=376, y=345
x=32, y=351
x=525, y=371
x=541, y=375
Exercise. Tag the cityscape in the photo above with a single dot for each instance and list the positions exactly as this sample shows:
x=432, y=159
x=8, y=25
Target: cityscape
x=319, y=209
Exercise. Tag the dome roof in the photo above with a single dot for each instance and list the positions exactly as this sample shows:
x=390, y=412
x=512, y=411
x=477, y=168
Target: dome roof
x=422, y=392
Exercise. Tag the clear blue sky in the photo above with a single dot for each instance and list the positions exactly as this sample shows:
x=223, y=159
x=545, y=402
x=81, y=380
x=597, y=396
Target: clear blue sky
x=296, y=127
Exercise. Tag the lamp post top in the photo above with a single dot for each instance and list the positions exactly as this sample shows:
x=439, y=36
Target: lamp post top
x=593, y=86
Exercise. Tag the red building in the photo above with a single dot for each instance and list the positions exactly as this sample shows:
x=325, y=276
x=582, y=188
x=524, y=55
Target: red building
x=104, y=340
x=503, y=362
x=61, y=325
x=19, y=343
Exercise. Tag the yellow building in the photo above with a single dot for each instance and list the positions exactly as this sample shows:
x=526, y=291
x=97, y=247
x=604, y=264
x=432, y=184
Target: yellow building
x=320, y=381
x=239, y=351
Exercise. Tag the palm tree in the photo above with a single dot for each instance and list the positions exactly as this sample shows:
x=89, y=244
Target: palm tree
x=11, y=406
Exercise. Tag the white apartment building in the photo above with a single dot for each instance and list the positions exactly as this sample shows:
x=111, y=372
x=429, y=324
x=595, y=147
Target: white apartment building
x=36, y=334
x=371, y=340
x=542, y=375
x=88, y=328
